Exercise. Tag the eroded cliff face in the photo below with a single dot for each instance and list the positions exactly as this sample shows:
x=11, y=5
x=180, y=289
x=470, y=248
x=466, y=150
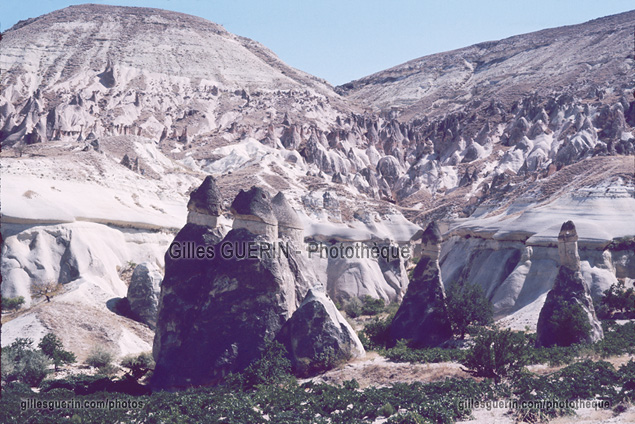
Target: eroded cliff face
x=516, y=276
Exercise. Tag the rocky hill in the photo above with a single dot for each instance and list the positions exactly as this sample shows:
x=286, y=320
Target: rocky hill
x=589, y=60
x=111, y=116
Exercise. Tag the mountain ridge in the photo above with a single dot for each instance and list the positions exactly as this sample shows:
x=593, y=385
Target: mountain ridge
x=478, y=58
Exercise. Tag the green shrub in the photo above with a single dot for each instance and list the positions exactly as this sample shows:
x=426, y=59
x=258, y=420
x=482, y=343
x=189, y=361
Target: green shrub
x=273, y=367
x=570, y=324
x=496, y=354
x=467, y=305
x=101, y=358
x=12, y=303
x=585, y=380
x=386, y=410
x=52, y=347
x=618, y=299
x=353, y=308
x=377, y=332
x=22, y=363
x=407, y=418
x=401, y=352
x=372, y=306
x=138, y=366
x=627, y=381
x=367, y=305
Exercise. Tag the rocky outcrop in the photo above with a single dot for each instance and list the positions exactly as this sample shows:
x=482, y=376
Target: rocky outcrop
x=289, y=224
x=317, y=337
x=205, y=205
x=143, y=293
x=568, y=316
x=253, y=211
x=218, y=311
x=422, y=317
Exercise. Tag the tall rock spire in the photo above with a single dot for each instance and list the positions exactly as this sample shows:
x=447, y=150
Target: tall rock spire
x=422, y=317
x=568, y=316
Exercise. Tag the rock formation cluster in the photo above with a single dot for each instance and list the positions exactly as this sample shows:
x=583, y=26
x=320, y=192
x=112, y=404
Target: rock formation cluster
x=219, y=310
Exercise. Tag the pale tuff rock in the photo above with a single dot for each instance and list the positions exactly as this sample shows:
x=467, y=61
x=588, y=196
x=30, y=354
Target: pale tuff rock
x=422, y=317
x=289, y=225
x=431, y=242
x=569, y=293
x=143, y=293
x=205, y=205
x=317, y=337
x=253, y=211
x=568, y=246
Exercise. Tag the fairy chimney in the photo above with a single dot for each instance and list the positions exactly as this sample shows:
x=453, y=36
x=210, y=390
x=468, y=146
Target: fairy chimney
x=204, y=206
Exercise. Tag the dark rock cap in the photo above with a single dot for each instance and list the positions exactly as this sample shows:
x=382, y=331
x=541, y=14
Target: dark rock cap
x=206, y=199
x=285, y=214
x=255, y=202
x=432, y=234
x=568, y=232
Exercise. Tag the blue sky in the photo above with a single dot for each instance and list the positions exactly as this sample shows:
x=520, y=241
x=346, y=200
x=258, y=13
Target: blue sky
x=342, y=40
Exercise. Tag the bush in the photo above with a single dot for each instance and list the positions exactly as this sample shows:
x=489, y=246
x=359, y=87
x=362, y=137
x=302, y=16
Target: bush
x=467, y=305
x=353, y=308
x=22, y=363
x=618, y=339
x=377, y=333
x=407, y=418
x=386, y=410
x=618, y=299
x=570, y=324
x=100, y=358
x=403, y=353
x=372, y=306
x=272, y=368
x=139, y=365
x=368, y=305
x=52, y=347
x=627, y=381
x=585, y=380
x=12, y=303
x=496, y=354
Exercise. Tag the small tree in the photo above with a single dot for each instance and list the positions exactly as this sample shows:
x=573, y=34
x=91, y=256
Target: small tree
x=272, y=368
x=467, y=305
x=45, y=289
x=570, y=324
x=52, y=347
x=619, y=298
x=139, y=365
x=12, y=303
x=21, y=362
x=496, y=354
